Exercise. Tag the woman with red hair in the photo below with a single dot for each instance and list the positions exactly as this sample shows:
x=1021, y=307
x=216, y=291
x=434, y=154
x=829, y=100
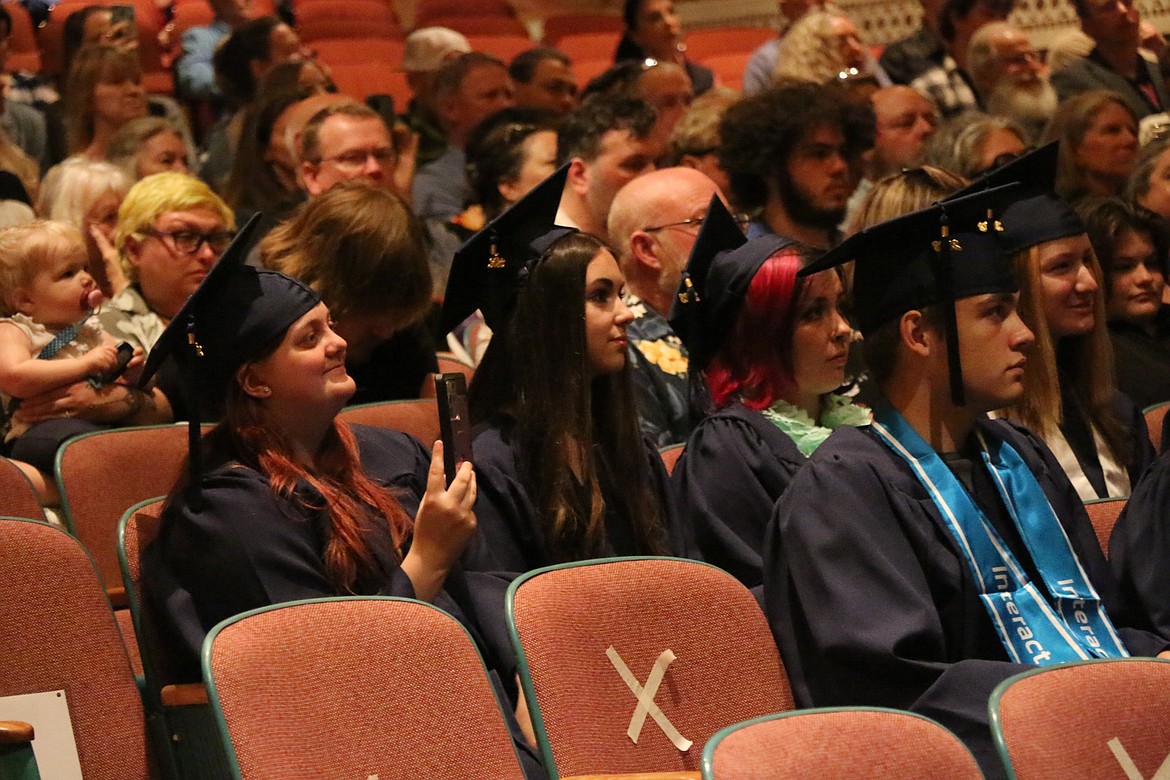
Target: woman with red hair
x=772, y=348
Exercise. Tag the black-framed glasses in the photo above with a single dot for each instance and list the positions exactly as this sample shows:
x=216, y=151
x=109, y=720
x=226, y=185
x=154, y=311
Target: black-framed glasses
x=740, y=219
x=188, y=242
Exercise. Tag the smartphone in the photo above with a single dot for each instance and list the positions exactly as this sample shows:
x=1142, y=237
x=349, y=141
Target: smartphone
x=121, y=13
x=125, y=352
x=454, y=421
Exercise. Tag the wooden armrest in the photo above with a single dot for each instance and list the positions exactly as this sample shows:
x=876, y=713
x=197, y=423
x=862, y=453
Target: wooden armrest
x=118, y=598
x=640, y=776
x=183, y=695
x=15, y=732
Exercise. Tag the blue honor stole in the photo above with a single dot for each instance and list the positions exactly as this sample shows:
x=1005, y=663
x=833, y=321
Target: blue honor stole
x=1032, y=629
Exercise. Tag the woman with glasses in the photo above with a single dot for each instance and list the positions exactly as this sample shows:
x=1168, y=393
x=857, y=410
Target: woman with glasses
x=171, y=230
x=771, y=349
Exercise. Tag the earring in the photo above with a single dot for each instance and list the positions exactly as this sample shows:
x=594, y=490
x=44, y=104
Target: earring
x=264, y=391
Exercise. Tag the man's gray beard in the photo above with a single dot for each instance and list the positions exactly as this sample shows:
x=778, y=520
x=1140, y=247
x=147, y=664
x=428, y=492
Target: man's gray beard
x=1032, y=104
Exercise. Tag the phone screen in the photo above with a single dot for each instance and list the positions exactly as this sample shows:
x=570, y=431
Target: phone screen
x=454, y=421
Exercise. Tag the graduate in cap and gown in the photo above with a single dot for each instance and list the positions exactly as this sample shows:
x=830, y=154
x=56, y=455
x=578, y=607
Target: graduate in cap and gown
x=771, y=347
x=920, y=561
x=282, y=501
x=564, y=472
x=1070, y=396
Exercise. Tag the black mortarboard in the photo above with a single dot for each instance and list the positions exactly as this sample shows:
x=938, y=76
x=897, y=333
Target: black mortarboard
x=1035, y=213
x=716, y=279
x=232, y=317
x=937, y=255
x=485, y=272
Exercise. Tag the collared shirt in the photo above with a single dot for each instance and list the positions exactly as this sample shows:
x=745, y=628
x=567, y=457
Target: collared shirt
x=658, y=362
x=127, y=317
x=947, y=86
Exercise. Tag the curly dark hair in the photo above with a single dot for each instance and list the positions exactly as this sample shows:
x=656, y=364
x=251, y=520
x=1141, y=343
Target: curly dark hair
x=760, y=132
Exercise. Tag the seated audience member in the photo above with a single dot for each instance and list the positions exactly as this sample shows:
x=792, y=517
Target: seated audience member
x=359, y=247
x=900, y=559
x=1149, y=184
x=607, y=143
x=171, y=230
x=973, y=144
x=564, y=473
x=30, y=90
x=1116, y=62
x=945, y=80
x=772, y=349
x=282, y=501
x=1010, y=77
x=794, y=157
x=20, y=120
x=757, y=75
x=148, y=145
x=824, y=47
x=667, y=89
x=1132, y=247
x=250, y=52
x=427, y=50
x=194, y=71
x=305, y=76
x=1070, y=400
x=264, y=173
x=49, y=337
x=904, y=122
x=694, y=142
x=86, y=194
x=664, y=86
x=901, y=193
x=542, y=78
x=467, y=90
x=103, y=93
x=652, y=226
x=654, y=34
x=1098, y=137
x=348, y=140
x=508, y=154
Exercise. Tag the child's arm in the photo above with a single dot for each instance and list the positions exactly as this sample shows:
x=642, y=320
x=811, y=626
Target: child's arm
x=23, y=375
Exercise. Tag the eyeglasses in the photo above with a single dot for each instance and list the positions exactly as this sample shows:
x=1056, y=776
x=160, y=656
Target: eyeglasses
x=740, y=219
x=188, y=242
x=354, y=161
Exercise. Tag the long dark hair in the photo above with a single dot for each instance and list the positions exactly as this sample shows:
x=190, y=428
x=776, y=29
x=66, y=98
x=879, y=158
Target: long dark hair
x=535, y=378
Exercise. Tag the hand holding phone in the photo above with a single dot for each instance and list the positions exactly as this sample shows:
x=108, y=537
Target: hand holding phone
x=125, y=353
x=454, y=421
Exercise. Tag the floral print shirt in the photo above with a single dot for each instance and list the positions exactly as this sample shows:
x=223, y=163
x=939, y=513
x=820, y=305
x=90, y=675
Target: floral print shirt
x=658, y=361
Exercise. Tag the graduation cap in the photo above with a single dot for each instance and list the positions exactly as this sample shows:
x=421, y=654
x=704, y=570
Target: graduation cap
x=232, y=317
x=486, y=271
x=1036, y=214
x=718, y=273
x=936, y=255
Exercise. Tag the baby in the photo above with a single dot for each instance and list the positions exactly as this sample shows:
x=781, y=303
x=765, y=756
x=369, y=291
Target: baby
x=49, y=337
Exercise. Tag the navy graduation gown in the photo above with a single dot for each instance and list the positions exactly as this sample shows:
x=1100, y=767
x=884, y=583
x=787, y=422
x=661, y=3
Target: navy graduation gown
x=510, y=536
x=735, y=466
x=872, y=603
x=244, y=548
x=1139, y=549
